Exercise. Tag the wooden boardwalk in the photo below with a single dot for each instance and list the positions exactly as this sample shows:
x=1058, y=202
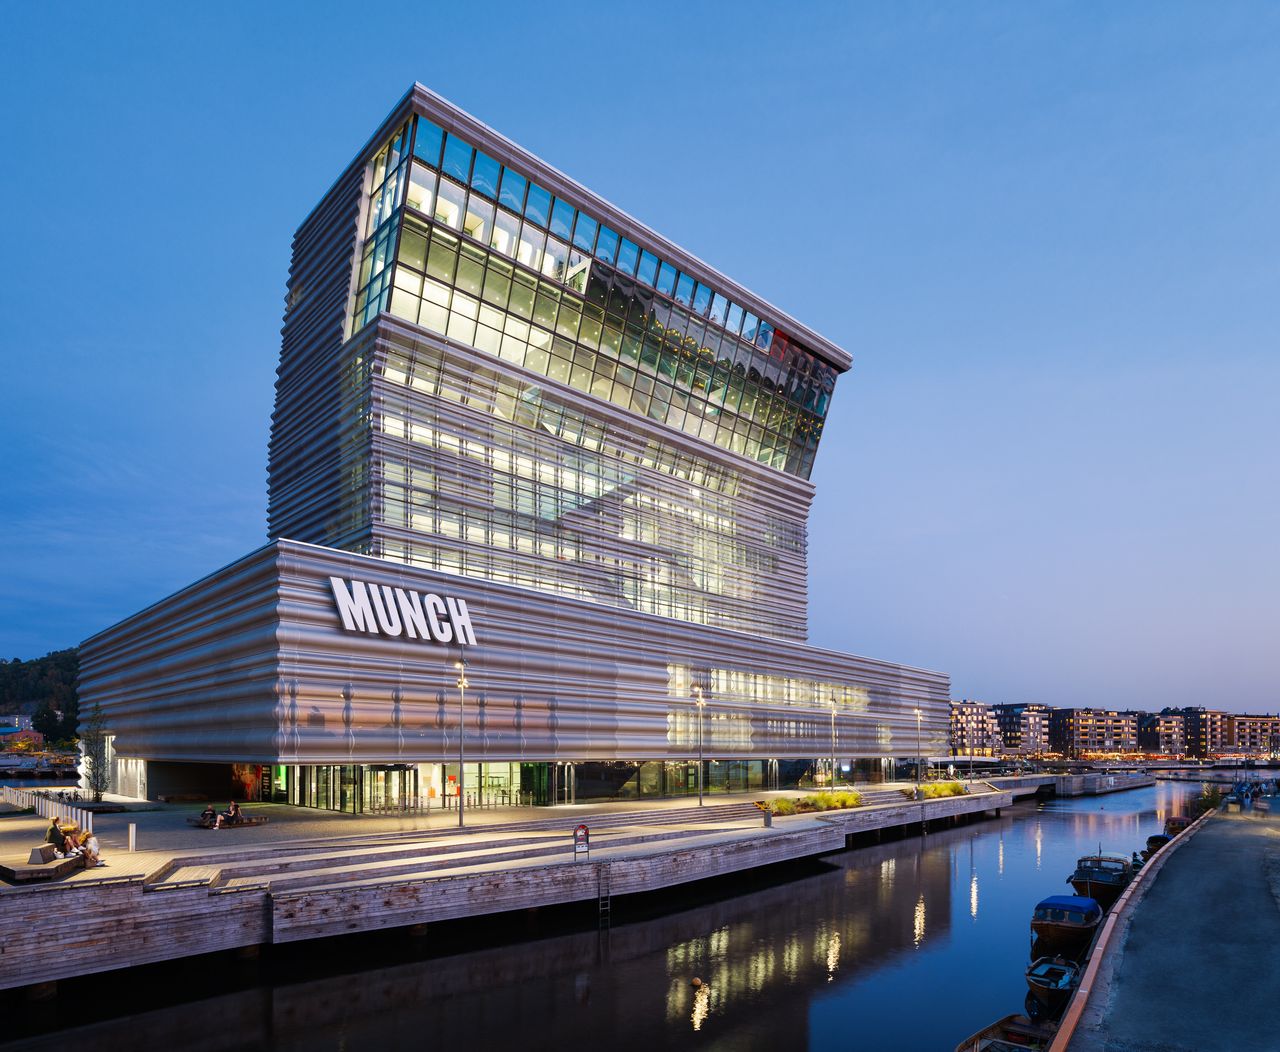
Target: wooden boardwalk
x=287, y=892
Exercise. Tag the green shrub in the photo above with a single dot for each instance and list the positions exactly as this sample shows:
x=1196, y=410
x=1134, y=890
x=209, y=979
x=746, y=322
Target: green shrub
x=935, y=790
x=786, y=805
x=1210, y=799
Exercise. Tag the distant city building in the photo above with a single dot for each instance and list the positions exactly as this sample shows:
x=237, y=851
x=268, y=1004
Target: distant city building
x=10, y=736
x=1256, y=735
x=1162, y=733
x=1084, y=732
x=974, y=730
x=1024, y=728
x=1208, y=731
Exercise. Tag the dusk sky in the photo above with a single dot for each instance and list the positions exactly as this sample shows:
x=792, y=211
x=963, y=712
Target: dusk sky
x=1049, y=234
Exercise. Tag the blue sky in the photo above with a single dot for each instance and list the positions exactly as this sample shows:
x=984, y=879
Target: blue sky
x=1046, y=232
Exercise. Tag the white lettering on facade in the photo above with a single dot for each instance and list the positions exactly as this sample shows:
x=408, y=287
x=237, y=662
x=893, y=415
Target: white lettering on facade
x=384, y=610
x=441, y=630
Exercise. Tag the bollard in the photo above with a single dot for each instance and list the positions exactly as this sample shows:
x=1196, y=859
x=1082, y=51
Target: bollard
x=133, y=836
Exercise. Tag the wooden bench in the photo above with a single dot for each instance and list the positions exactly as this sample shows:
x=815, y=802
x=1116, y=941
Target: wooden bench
x=243, y=820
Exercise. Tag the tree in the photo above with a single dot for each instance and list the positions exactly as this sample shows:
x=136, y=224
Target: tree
x=93, y=745
x=47, y=722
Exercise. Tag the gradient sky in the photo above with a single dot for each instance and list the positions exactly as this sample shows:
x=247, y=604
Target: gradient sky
x=1048, y=234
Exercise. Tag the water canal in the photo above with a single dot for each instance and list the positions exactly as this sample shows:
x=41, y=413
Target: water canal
x=908, y=945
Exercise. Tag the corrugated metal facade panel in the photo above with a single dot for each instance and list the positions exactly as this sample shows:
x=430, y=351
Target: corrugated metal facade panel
x=252, y=664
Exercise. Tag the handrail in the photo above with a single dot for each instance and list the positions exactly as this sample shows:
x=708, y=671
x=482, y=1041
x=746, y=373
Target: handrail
x=47, y=807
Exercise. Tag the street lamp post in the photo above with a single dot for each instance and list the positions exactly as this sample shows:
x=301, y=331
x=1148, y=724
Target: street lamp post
x=833, y=744
x=701, y=702
x=461, y=666
x=919, y=754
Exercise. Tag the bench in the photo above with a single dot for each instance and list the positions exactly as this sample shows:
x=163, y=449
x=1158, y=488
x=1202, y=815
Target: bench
x=243, y=820
x=42, y=864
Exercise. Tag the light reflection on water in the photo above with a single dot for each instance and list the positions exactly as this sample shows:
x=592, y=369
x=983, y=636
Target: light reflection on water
x=888, y=948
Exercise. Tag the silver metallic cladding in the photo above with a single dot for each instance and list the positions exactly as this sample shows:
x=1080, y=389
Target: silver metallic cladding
x=305, y=466
x=760, y=495
x=252, y=665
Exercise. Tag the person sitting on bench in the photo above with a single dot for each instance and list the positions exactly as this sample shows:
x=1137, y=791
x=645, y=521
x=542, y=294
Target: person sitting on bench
x=89, y=849
x=230, y=816
x=208, y=816
x=55, y=836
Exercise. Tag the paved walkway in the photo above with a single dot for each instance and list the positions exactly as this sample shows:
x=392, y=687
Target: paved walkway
x=163, y=832
x=1198, y=969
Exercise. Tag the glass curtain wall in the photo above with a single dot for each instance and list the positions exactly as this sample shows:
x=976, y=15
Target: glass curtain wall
x=490, y=258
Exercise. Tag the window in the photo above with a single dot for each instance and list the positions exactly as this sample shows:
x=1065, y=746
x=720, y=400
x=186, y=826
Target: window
x=584, y=234
x=648, y=268
x=506, y=232
x=457, y=158
x=531, y=245
x=537, y=206
x=513, y=187
x=666, y=282
x=449, y=204
x=422, y=189
x=479, y=220
x=484, y=177
x=427, y=142
x=607, y=245
x=562, y=219
x=628, y=256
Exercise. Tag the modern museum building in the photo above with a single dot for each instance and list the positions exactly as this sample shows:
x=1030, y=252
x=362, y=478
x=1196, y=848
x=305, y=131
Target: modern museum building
x=538, y=505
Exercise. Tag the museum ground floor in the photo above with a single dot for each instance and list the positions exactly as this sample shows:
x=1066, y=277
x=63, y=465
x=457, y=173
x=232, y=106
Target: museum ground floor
x=415, y=787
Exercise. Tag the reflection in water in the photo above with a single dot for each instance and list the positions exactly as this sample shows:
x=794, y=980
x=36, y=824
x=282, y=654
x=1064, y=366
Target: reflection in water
x=830, y=959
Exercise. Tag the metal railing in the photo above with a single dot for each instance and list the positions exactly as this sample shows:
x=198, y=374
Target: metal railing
x=47, y=806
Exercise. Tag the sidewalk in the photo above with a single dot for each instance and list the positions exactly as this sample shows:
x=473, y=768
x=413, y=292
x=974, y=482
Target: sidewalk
x=1198, y=969
x=163, y=831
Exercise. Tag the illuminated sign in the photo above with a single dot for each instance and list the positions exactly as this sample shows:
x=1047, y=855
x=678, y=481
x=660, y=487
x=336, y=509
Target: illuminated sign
x=381, y=610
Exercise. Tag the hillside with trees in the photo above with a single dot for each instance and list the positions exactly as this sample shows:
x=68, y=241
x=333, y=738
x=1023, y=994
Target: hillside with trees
x=45, y=689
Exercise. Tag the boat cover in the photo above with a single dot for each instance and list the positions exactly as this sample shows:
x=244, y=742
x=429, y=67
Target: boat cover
x=1077, y=903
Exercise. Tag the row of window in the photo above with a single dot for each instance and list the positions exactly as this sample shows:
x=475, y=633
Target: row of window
x=454, y=157
x=480, y=300
x=627, y=302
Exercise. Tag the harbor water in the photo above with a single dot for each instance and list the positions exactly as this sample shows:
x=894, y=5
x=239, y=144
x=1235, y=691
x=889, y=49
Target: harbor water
x=906, y=945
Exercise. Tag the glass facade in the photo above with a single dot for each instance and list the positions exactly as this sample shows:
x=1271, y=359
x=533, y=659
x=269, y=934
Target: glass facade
x=488, y=257
x=480, y=474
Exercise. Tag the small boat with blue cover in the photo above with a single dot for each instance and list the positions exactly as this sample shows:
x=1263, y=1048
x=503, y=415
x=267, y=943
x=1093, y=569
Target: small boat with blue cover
x=1065, y=923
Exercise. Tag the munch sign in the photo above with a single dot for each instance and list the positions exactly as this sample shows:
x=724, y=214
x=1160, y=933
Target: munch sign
x=381, y=610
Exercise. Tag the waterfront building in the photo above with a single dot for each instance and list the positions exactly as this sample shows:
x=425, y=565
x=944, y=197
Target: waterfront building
x=1162, y=733
x=537, y=519
x=1024, y=728
x=1208, y=732
x=1256, y=735
x=1092, y=732
x=974, y=730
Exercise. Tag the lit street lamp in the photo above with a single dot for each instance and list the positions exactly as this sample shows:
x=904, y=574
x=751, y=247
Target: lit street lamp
x=461, y=666
x=697, y=694
x=919, y=754
x=832, y=784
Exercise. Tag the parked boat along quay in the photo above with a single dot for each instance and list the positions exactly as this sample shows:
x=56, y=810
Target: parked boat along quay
x=813, y=954
x=1206, y=927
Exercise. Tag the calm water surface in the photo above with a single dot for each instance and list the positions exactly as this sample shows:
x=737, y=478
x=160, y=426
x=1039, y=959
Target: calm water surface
x=906, y=946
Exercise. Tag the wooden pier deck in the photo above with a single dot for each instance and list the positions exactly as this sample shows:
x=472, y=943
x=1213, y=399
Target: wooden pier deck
x=230, y=897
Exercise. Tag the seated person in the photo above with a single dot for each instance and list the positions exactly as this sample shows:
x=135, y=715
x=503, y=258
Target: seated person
x=230, y=816
x=89, y=849
x=55, y=836
x=208, y=816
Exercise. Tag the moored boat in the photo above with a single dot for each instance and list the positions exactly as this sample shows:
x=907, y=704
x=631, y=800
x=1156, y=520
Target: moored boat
x=1102, y=877
x=1154, y=843
x=1008, y=1034
x=1175, y=824
x=1050, y=983
x=1065, y=923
